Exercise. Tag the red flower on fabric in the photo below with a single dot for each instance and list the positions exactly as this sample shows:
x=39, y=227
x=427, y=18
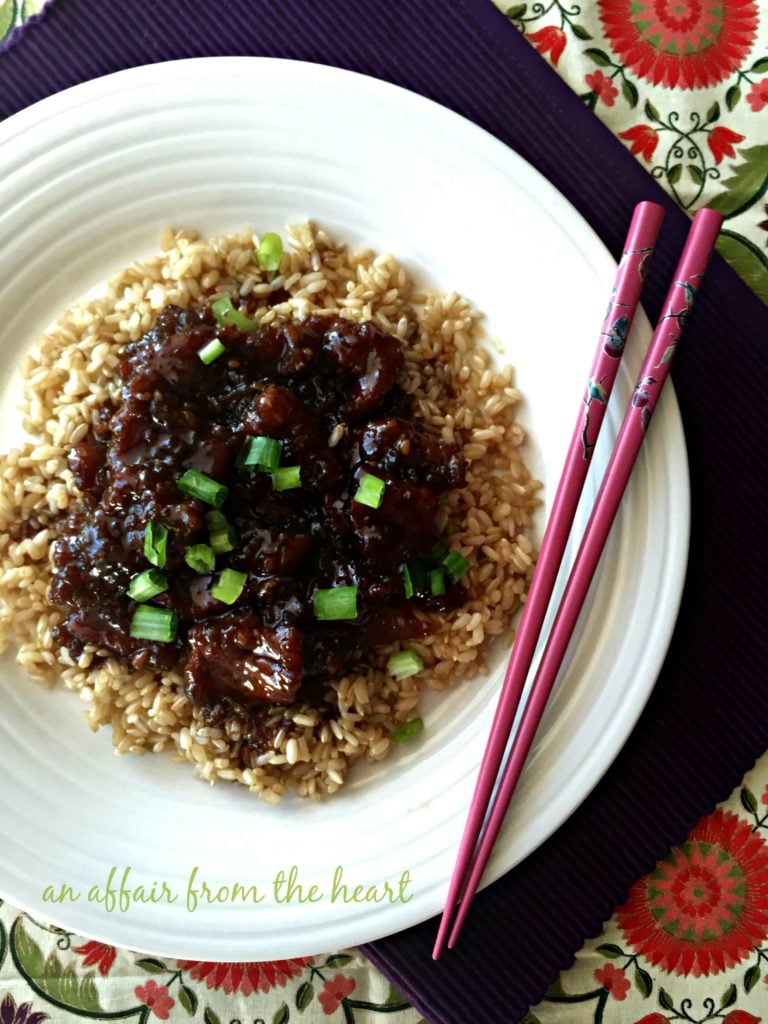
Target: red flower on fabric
x=245, y=977
x=603, y=86
x=757, y=97
x=720, y=141
x=653, y=1018
x=156, y=997
x=644, y=140
x=741, y=1017
x=334, y=990
x=684, y=44
x=614, y=980
x=549, y=40
x=705, y=907
x=98, y=953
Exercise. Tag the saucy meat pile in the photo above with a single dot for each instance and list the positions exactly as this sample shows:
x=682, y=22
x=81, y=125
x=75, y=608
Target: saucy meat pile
x=259, y=508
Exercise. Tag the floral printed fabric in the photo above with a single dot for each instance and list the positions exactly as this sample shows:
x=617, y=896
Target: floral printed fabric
x=50, y=975
x=684, y=84
x=13, y=13
x=691, y=942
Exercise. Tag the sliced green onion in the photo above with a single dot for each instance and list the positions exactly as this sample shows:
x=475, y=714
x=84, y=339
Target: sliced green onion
x=227, y=316
x=286, y=478
x=152, y=623
x=455, y=564
x=415, y=579
x=408, y=582
x=404, y=663
x=198, y=485
x=437, y=582
x=147, y=584
x=201, y=557
x=270, y=252
x=156, y=544
x=335, y=603
x=229, y=586
x=438, y=553
x=263, y=452
x=371, y=491
x=220, y=534
x=210, y=352
x=407, y=730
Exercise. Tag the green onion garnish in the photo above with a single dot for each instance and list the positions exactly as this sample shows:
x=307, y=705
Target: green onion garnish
x=270, y=252
x=198, y=485
x=220, y=534
x=263, y=452
x=408, y=582
x=414, y=579
x=407, y=730
x=156, y=543
x=147, y=584
x=404, y=663
x=201, y=557
x=227, y=316
x=210, y=352
x=437, y=582
x=286, y=478
x=229, y=586
x=438, y=553
x=152, y=623
x=455, y=564
x=370, y=492
x=335, y=603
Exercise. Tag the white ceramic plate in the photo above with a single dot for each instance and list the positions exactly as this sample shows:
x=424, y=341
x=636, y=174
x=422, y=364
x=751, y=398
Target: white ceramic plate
x=88, y=179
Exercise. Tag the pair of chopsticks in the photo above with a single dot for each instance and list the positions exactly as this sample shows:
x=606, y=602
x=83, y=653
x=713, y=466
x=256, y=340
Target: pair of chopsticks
x=487, y=809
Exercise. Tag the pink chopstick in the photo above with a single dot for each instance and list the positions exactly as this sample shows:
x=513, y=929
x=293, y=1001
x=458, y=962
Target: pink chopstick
x=638, y=249
x=690, y=270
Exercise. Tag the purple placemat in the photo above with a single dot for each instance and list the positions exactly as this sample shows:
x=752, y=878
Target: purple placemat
x=708, y=718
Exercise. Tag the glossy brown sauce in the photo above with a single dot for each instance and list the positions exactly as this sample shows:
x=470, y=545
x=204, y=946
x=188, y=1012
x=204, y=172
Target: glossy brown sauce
x=299, y=384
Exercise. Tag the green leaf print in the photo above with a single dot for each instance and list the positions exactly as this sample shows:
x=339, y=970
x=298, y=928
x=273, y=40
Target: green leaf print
x=188, y=999
x=760, y=66
x=152, y=966
x=732, y=97
x=747, y=184
x=597, y=56
x=304, y=996
x=747, y=260
x=748, y=800
x=608, y=949
x=7, y=17
x=516, y=12
x=729, y=998
x=629, y=92
x=752, y=977
x=282, y=1016
x=643, y=982
x=60, y=985
x=580, y=32
x=210, y=1017
x=338, y=960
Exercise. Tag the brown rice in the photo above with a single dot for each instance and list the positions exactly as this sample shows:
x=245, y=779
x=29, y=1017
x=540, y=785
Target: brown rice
x=459, y=396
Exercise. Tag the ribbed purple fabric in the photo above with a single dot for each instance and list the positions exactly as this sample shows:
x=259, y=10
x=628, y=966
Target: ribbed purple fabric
x=707, y=721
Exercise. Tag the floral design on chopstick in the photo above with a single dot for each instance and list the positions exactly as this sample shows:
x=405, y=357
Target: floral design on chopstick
x=615, y=331
x=647, y=388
